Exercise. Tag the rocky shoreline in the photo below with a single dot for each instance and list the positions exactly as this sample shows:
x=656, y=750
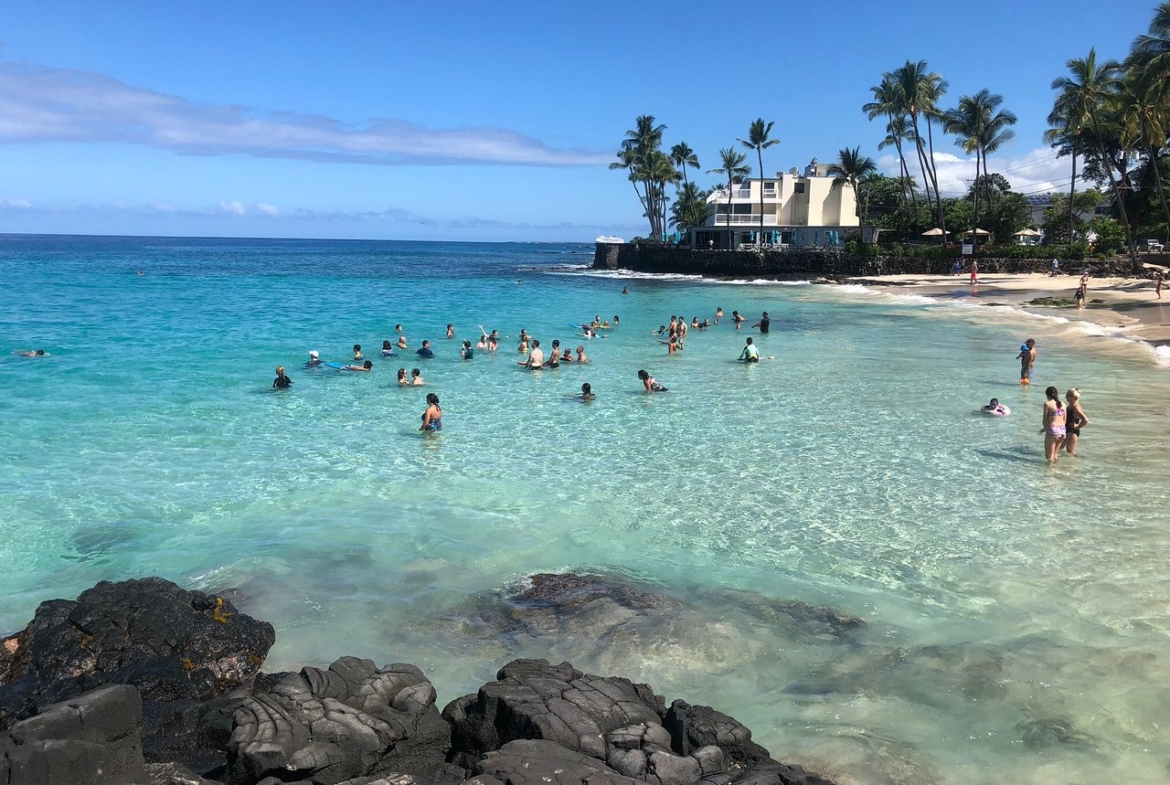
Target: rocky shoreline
x=143, y=681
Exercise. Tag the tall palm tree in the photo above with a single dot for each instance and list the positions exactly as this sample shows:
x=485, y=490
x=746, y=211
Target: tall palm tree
x=851, y=168
x=1145, y=119
x=1089, y=89
x=642, y=142
x=887, y=102
x=1151, y=52
x=733, y=166
x=897, y=131
x=757, y=140
x=627, y=159
x=918, y=93
x=689, y=208
x=681, y=155
x=1066, y=127
x=980, y=129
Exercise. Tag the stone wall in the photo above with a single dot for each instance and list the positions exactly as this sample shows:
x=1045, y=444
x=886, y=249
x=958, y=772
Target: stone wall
x=804, y=264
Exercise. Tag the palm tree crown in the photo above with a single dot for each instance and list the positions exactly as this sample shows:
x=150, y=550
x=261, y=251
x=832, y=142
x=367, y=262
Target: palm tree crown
x=757, y=140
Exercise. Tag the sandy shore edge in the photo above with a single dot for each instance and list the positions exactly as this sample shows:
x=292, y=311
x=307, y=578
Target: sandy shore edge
x=1129, y=303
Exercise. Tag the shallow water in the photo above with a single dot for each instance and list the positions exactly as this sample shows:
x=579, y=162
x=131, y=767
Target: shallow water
x=1017, y=615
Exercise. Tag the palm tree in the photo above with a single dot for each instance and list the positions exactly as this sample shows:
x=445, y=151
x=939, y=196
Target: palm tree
x=981, y=130
x=1145, y=118
x=1066, y=127
x=1151, y=52
x=637, y=153
x=852, y=167
x=917, y=95
x=689, y=208
x=627, y=159
x=681, y=155
x=1087, y=92
x=734, y=168
x=886, y=102
x=757, y=140
x=896, y=132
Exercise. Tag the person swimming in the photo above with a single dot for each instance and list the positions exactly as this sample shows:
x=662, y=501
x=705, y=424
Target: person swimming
x=996, y=408
x=432, y=418
x=649, y=382
x=31, y=353
x=368, y=365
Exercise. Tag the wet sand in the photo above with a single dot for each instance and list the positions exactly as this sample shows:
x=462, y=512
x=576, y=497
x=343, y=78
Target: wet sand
x=1129, y=303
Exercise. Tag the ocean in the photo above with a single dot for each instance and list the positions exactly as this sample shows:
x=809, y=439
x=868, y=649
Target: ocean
x=884, y=584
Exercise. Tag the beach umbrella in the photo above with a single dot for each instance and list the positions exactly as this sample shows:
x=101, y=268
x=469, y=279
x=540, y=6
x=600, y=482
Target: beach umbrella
x=977, y=232
x=935, y=232
x=1028, y=233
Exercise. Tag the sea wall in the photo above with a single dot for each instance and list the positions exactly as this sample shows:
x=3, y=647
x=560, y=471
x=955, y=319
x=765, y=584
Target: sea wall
x=804, y=264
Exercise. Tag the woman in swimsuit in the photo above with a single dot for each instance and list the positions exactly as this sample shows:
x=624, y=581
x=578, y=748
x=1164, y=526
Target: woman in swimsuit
x=432, y=418
x=387, y=349
x=1077, y=419
x=403, y=381
x=1053, y=422
x=649, y=383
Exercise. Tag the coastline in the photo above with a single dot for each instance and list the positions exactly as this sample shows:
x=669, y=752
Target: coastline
x=1126, y=303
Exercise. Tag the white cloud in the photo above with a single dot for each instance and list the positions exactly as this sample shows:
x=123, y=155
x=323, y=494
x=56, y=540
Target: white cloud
x=1033, y=171
x=267, y=209
x=15, y=204
x=41, y=104
x=232, y=208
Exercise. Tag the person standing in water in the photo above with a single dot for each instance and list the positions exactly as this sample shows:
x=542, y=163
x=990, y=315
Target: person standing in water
x=764, y=324
x=1052, y=424
x=432, y=418
x=1027, y=358
x=1077, y=419
x=281, y=382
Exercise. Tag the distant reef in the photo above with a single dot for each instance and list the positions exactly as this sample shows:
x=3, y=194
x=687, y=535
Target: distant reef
x=146, y=682
x=811, y=264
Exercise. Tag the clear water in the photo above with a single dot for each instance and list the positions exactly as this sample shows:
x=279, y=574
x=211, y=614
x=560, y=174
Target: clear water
x=1018, y=615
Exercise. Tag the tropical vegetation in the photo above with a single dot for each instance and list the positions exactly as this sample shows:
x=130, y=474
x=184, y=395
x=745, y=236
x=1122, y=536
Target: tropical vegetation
x=1111, y=118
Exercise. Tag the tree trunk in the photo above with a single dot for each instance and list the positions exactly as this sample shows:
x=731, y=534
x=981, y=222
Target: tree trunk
x=760, y=236
x=1161, y=193
x=1072, y=190
x=942, y=221
x=1117, y=195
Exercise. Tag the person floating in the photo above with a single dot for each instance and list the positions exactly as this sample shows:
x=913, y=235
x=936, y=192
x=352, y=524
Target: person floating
x=432, y=418
x=1027, y=358
x=996, y=408
x=367, y=366
x=281, y=382
x=649, y=382
x=750, y=353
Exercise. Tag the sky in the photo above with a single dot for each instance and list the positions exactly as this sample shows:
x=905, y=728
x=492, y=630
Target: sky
x=454, y=120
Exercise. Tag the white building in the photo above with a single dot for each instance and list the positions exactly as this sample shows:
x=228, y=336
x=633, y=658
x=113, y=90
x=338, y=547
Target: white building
x=800, y=210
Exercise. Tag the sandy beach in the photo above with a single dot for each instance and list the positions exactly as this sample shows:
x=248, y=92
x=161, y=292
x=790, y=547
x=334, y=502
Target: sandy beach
x=1128, y=303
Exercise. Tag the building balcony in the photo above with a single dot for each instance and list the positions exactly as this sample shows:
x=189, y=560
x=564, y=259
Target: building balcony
x=743, y=220
x=741, y=195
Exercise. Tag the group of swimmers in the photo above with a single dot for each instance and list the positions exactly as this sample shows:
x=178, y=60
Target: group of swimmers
x=1060, y=423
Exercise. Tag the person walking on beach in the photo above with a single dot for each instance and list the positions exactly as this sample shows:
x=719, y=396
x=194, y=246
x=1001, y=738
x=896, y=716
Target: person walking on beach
x=1052, y=424
x=1158, y=279
x=432, y=418
x=281, y=382
x=1053, y=267
x=1027, y=358
x=975, y=271
x=1077, y=419
x=1084, y=285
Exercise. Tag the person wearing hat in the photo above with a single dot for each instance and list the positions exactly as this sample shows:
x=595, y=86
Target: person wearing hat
x=314, y=359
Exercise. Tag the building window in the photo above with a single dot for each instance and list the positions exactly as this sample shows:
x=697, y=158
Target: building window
x=799, y=188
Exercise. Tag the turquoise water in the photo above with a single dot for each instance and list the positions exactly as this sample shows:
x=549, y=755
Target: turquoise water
x=1018, y=615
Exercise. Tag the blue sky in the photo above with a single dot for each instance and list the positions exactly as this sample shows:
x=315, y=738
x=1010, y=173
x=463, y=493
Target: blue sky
x=475, y=121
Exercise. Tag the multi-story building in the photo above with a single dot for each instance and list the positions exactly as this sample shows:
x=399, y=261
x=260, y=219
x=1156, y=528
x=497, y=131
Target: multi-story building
x=801, y=210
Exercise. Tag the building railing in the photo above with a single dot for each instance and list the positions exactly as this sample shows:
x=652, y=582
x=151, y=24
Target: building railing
x=720, y=195
x=744, y=220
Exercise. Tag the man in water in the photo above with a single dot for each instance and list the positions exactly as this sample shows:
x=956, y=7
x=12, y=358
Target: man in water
x=425, y=352
x=750, y=353
x=764, y=323
x=281, y=382
x=535, y=357
x=1027, y=358
x=314, y=359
